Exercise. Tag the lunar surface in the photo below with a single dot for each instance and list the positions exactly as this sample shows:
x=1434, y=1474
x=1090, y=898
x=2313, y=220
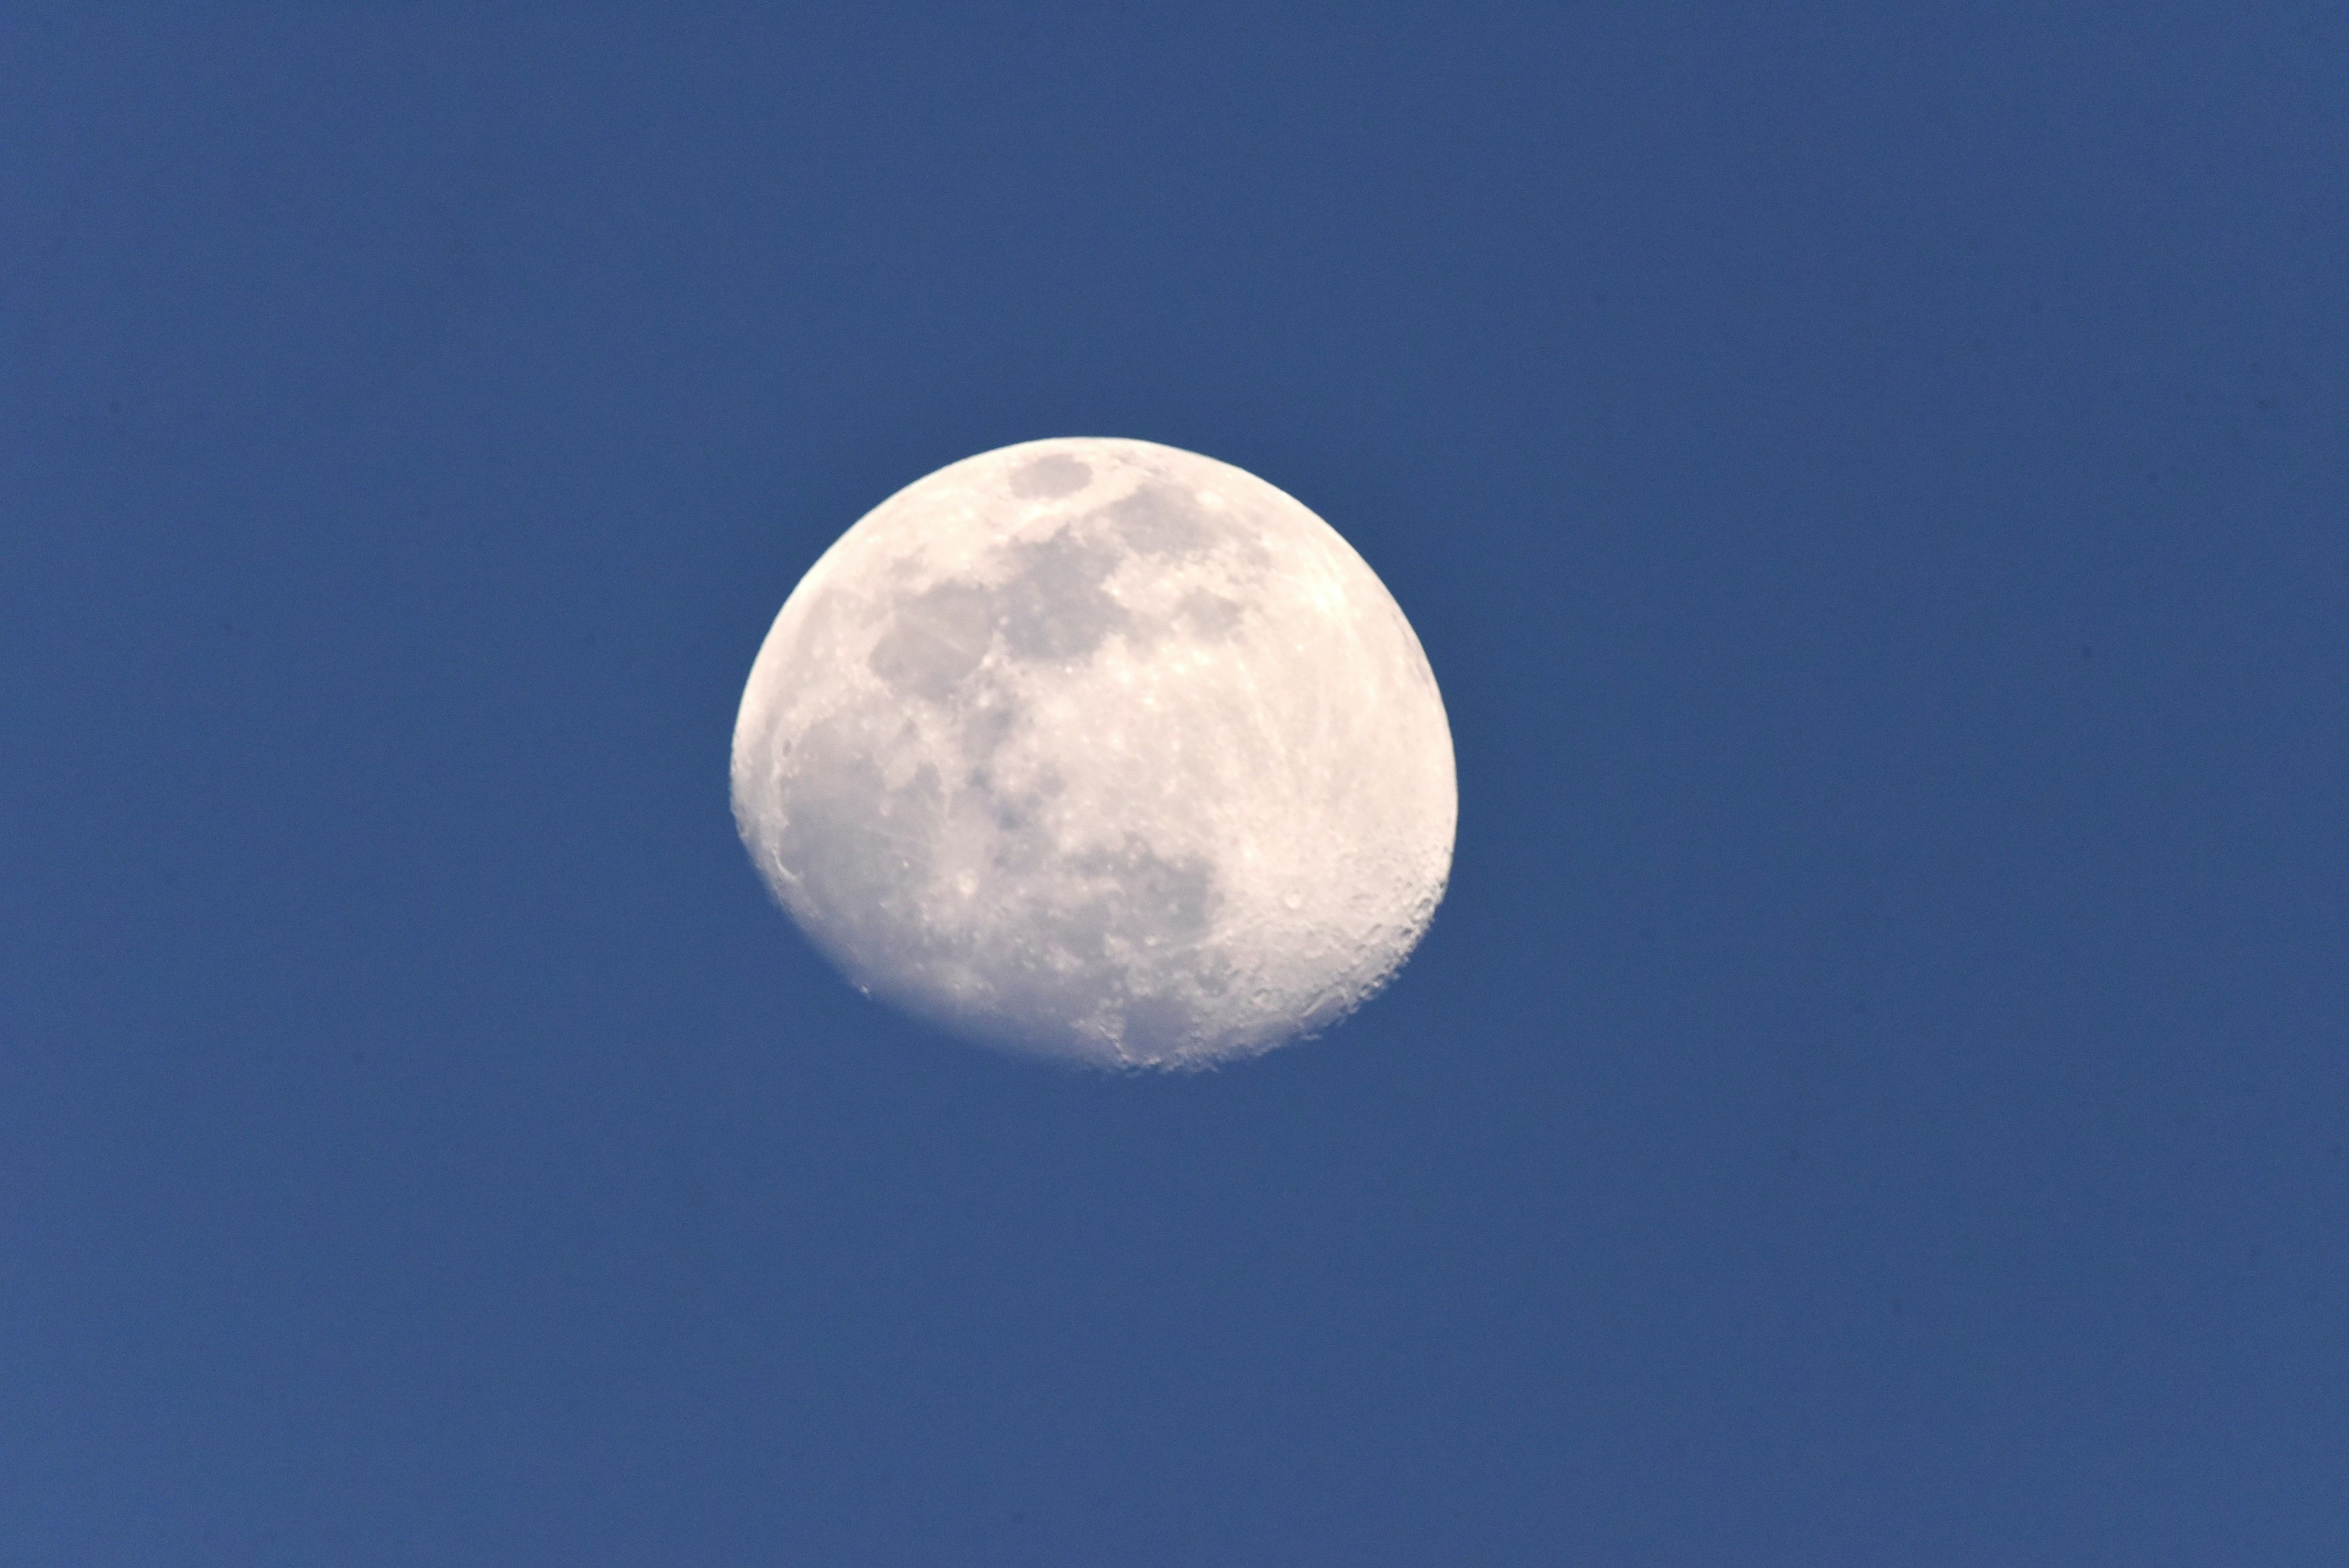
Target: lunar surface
x=1101, y=751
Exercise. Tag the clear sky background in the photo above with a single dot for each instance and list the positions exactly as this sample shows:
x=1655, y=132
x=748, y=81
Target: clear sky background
x=1872, y=482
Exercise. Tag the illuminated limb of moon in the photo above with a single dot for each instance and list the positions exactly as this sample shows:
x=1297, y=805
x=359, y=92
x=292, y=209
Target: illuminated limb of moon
x=1100, y=751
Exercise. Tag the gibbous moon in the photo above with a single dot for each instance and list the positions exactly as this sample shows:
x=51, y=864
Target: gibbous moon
x=1100, y=752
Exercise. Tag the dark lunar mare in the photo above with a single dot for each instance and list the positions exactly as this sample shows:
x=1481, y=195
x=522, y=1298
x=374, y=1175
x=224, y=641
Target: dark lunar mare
x=1102, y=940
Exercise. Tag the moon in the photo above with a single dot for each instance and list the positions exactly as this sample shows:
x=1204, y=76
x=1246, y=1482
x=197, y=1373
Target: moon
x=1100, y=752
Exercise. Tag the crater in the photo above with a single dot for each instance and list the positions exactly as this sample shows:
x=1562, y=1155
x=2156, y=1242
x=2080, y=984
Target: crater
x=1208, y=616
x=1156, y=1027
x=1054, y=606
x=1161, y=520
x=1153, y=901
x=1047, y=477
x=936, y=641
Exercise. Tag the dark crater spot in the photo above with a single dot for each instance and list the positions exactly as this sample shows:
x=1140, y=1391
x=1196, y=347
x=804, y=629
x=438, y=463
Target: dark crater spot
x=991, y=720
x=1049, y=476
x=936, y=641
x=1207, y=616
x=1055, y=606
x=1024, y=842
x=1018, y=816
x=1160, y=520
x=1154, y=1026
x=1154, y=901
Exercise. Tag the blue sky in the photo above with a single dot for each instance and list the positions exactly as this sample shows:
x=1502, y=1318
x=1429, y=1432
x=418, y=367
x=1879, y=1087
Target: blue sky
x=1869, y=481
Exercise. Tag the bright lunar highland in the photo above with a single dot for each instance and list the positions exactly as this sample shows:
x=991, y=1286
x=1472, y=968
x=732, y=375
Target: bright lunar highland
x=1101, y=751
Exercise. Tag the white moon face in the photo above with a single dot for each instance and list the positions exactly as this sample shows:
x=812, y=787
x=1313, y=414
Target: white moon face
x=1102, y=752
